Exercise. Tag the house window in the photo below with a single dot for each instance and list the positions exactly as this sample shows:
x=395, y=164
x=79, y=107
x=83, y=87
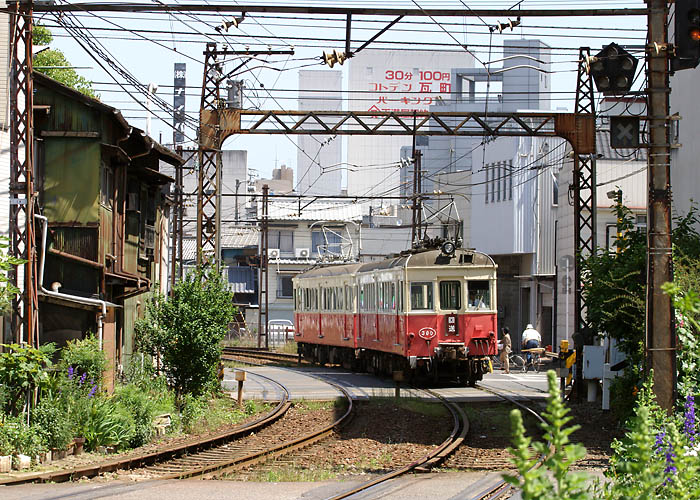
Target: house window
x=330, y=243
x=555, y=188
x=488, y=169
x=285, y=289
x=106, y=186
x=284, y=240
x=510, y=180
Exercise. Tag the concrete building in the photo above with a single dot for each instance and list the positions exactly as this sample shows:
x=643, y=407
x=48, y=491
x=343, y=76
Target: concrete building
x=685, y=180
x=282, y=181
x=297, y=240
x=319, y=157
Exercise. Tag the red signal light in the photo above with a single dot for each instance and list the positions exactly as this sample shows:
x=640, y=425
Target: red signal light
x=695, y=34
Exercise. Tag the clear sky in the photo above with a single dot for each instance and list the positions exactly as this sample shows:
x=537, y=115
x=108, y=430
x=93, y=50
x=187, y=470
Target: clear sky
x=147, y=45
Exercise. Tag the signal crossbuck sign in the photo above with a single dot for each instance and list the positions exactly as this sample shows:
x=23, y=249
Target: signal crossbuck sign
x=624, y=131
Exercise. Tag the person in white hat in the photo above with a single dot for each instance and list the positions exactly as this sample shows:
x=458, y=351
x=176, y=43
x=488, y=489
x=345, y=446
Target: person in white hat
x=531, y=339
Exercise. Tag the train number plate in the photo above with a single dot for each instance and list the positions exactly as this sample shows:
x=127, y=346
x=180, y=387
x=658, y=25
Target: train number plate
x=427, y=333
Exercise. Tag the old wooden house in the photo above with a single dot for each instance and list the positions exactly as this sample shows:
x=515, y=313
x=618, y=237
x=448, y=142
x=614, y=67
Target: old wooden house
x=102, y=201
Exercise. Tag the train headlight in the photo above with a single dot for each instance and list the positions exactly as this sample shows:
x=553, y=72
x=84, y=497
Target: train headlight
x=448, y=248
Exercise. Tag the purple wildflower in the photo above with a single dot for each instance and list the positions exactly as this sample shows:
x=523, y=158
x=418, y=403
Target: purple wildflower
x=82, y=378
x=658, y=445
x=689, y=427
x=92, y=391
x=70, y=373
x=670, y=469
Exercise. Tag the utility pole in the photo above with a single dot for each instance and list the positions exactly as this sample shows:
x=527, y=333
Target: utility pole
x=417, y=202
x=263, y=298
x=25, y=312
x=177, y=220
x=584, y=187
x=660, y=328
x=238, y=185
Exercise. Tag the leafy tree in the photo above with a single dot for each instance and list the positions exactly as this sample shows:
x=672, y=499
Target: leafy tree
x=54, y=64
x=614, y=288
x=185, y=330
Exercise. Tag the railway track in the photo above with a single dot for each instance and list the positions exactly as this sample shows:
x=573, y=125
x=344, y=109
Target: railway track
x=204, y=447
x=259, y=354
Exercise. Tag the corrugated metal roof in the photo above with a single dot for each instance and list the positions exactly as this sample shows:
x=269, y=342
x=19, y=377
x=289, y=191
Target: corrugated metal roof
x=328, y=211
x=240, y=237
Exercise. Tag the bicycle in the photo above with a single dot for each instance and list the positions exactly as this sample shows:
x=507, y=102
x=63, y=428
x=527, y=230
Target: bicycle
x=515, y=361
x=536, y=364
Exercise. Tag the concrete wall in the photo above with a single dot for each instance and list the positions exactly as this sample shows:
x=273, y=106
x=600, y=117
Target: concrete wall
x=319, y=156
x=684, y=160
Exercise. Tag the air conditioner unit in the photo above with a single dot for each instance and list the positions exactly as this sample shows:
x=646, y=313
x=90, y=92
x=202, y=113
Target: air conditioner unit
x=273, y=253
x=302, y=253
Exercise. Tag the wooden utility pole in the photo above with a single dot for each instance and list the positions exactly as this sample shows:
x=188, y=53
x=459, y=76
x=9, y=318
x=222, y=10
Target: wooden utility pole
x=263, y=296
x=660, y=329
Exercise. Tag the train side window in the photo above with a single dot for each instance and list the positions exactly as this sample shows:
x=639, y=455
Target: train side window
x=401, y=296
x=362, y=297
x=421, y=296
x=479, y=296
x=450, y=295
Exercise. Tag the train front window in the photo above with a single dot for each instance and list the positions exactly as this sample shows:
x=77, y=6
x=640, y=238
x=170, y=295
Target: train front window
x=421, y=296
x=450, y=295
x=479, y=297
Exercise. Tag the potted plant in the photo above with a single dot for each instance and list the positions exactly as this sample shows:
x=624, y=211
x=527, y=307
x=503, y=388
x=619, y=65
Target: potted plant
x=50, y=418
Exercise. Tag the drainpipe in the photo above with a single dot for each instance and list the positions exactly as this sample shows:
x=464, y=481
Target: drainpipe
x=65, y=296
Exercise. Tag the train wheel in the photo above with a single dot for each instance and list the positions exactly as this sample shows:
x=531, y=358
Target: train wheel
x=472, y=379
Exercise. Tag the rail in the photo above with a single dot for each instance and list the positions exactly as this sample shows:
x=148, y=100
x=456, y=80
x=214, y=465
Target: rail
x=143, y=459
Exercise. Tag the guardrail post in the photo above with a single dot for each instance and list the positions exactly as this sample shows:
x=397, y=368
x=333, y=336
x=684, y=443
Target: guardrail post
x=240, y=377
x=398, y=378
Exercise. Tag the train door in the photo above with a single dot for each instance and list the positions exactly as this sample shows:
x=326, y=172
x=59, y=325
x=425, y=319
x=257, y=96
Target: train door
x=361, y=305
x=396, y=312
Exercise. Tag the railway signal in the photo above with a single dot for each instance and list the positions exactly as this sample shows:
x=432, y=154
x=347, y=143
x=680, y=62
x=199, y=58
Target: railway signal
x=687, y=27
x=613, y=69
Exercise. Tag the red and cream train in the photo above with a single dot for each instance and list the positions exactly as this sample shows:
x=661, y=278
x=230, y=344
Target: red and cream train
x=427, y=313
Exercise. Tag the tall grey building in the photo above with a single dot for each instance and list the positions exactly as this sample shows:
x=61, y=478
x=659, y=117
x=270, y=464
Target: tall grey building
x=319, y=156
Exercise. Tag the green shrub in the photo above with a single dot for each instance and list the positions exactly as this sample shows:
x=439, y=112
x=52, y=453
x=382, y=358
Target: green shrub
x=191, y=410
x=107, y=426
x=141, y=408
x=22, y=369
x=50, y=417
x=185, y=330
x=536, y=483
x=85, y=356
x=18, y=437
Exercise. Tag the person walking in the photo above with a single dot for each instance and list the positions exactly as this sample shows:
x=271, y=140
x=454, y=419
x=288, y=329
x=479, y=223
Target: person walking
x=531, y=339
x=505, y=351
